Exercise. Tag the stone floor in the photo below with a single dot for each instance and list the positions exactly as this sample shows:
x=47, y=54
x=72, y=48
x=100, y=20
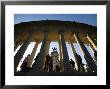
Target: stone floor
x=55, y=74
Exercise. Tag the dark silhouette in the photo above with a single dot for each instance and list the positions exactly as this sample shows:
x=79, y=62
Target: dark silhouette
x=57, y=68
x=72, y=63
x=50, y=64
x=24, y=67
x=79, y=61
x=47, y=62
x=95, y=54
x=83, y=69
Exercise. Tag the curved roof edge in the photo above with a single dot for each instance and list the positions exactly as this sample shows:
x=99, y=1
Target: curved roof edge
x=54, y=22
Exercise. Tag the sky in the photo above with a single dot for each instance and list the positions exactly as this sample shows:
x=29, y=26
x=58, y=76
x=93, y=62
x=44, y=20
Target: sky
x=83, y=18
x=90, y=19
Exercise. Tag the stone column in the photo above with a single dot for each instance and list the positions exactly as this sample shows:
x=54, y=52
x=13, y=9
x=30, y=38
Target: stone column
x=20, y=52
x=47, y=50
x=32, y=55
x=92, y=42
x=67, y=67
x=47, y=47
x=86, y=54
x=60, y=49
x=74, y=51
x=61, y=60
x=39, y=64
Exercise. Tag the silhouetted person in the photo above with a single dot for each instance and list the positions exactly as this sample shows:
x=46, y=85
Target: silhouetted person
x=47, y=62
x=24, y=66
x=83, y=69
x=72, y=63
x=50, y=64
x=57, y=67
x=79, y=61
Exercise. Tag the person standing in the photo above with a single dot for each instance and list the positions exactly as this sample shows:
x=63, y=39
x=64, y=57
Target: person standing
x=24, y=67
x=47, y=62
x=72, y=63
x=79, y=61
x=50, y=65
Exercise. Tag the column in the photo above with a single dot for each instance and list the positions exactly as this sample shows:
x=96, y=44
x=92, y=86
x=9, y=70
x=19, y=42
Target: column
x=86, y=54
x=60, y=49
x=39, y=64
x=74, y=51
x=67, y=67
x=20, y=52
x=61, y=60
x=33, y=54
x=92, y=42
x=47, y=48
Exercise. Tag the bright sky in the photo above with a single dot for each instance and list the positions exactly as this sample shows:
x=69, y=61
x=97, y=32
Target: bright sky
x=90, y=19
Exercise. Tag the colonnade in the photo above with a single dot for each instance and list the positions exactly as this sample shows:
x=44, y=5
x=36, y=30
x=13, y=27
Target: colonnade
x=64, y=57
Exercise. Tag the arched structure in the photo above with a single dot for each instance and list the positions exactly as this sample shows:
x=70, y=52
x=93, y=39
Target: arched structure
x=46, y=31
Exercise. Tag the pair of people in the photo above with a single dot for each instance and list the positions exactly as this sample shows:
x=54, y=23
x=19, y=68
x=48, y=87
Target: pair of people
x=48, y=64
